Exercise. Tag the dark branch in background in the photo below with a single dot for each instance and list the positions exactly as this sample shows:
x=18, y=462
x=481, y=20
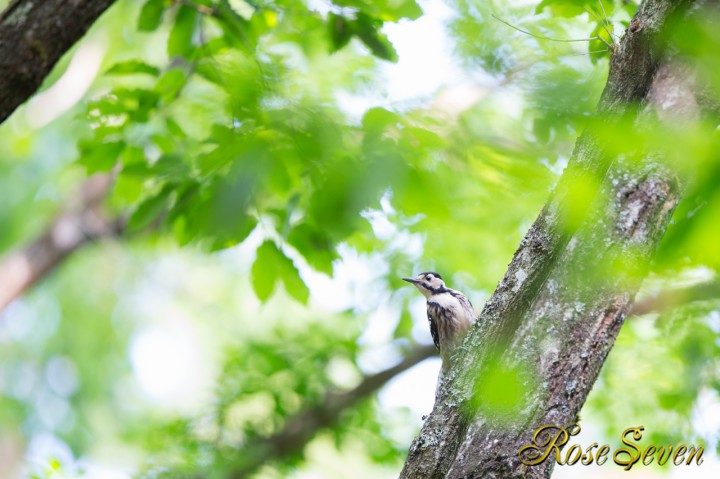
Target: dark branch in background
x=299, y=430
x=84, y=222
x=80, y=223
x=34, y=35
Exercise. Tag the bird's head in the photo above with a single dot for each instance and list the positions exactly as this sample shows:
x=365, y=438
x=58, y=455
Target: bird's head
x=427, y=283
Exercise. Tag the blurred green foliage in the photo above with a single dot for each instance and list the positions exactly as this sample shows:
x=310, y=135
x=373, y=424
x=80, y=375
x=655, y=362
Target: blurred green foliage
x=249, y=188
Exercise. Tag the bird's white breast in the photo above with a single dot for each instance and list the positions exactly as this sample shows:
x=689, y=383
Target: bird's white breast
x=446, y=300
x=451, y=303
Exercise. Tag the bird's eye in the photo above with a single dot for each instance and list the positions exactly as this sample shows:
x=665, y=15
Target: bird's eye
x=428, y=277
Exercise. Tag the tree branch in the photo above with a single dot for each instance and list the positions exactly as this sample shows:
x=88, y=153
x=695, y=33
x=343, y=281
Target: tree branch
x=78, y=225
x=34, y=35
x=669, y=299
x=299, y=430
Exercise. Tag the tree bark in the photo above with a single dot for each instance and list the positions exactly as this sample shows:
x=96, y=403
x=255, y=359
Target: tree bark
x=558, y=309
x=34, y=35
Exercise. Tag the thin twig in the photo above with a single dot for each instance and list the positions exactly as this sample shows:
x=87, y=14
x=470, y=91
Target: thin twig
x=541, y=36
x=586, y=53
x=603, y=11
x=604, y=27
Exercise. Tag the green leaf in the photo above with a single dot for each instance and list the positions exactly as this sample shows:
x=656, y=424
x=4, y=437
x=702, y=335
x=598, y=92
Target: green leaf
x=171, y=167
x=149, y=210
x=377, y=119
x=165, y=143
x=131, y=67
x=135, y=103
x=294, y=284
x=425, y=139
x=565, y=8
x=270, y=265
x=151, y=15
x=127, y=191
x=385, y=10
x=542, y=128
x=407, y=9
x=174, y=128
x=242, y=8
x=220, y=214
x=99, y=156
x=180, y=40
x=367, y=29
x=185, y=226
x=170, y=84
x=133, y=155
x=316, y=247
x=340, y=31
x=134, y=163
x=265, y=271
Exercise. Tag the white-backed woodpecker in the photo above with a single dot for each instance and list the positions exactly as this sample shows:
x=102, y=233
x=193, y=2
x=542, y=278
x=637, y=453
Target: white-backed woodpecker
x=449, y=312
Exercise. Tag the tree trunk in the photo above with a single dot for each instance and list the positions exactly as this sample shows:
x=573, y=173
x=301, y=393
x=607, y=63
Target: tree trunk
x=557, y=311
x=34, y=35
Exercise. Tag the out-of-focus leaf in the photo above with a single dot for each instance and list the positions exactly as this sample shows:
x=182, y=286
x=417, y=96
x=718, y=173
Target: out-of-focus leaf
x=123, y=103
x=294, y=284
x=315, y=246
x=97, y=157
x=385, y=10
x=170, y=84
x=151, y=15
x=377, y=119
x=135, y=103
x=180, y=41
x=220, y=211
x=542, y=127
x=132, y=67
x=171, y=167
x=174, y=128
x=367, y=30
x=270, y=266
x=566, y=8
x=340, y=30
x=242, y=8
x=134, y=163
x=265, y=271
x=165, y=143
x=149, y=210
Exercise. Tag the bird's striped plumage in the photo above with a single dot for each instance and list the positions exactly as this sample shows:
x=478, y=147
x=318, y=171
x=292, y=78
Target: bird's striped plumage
x=449, y=312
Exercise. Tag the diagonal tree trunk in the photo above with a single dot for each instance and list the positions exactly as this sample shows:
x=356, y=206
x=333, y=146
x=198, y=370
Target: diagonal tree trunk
x=558, y=309
x=34, y=35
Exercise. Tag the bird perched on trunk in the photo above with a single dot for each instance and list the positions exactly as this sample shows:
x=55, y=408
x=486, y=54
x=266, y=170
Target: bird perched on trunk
x=449, y=312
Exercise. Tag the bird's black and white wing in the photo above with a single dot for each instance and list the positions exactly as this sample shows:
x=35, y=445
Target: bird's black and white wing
x=433, y=324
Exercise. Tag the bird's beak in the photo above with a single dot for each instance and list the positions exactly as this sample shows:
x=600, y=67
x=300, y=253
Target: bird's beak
x=411, y=280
